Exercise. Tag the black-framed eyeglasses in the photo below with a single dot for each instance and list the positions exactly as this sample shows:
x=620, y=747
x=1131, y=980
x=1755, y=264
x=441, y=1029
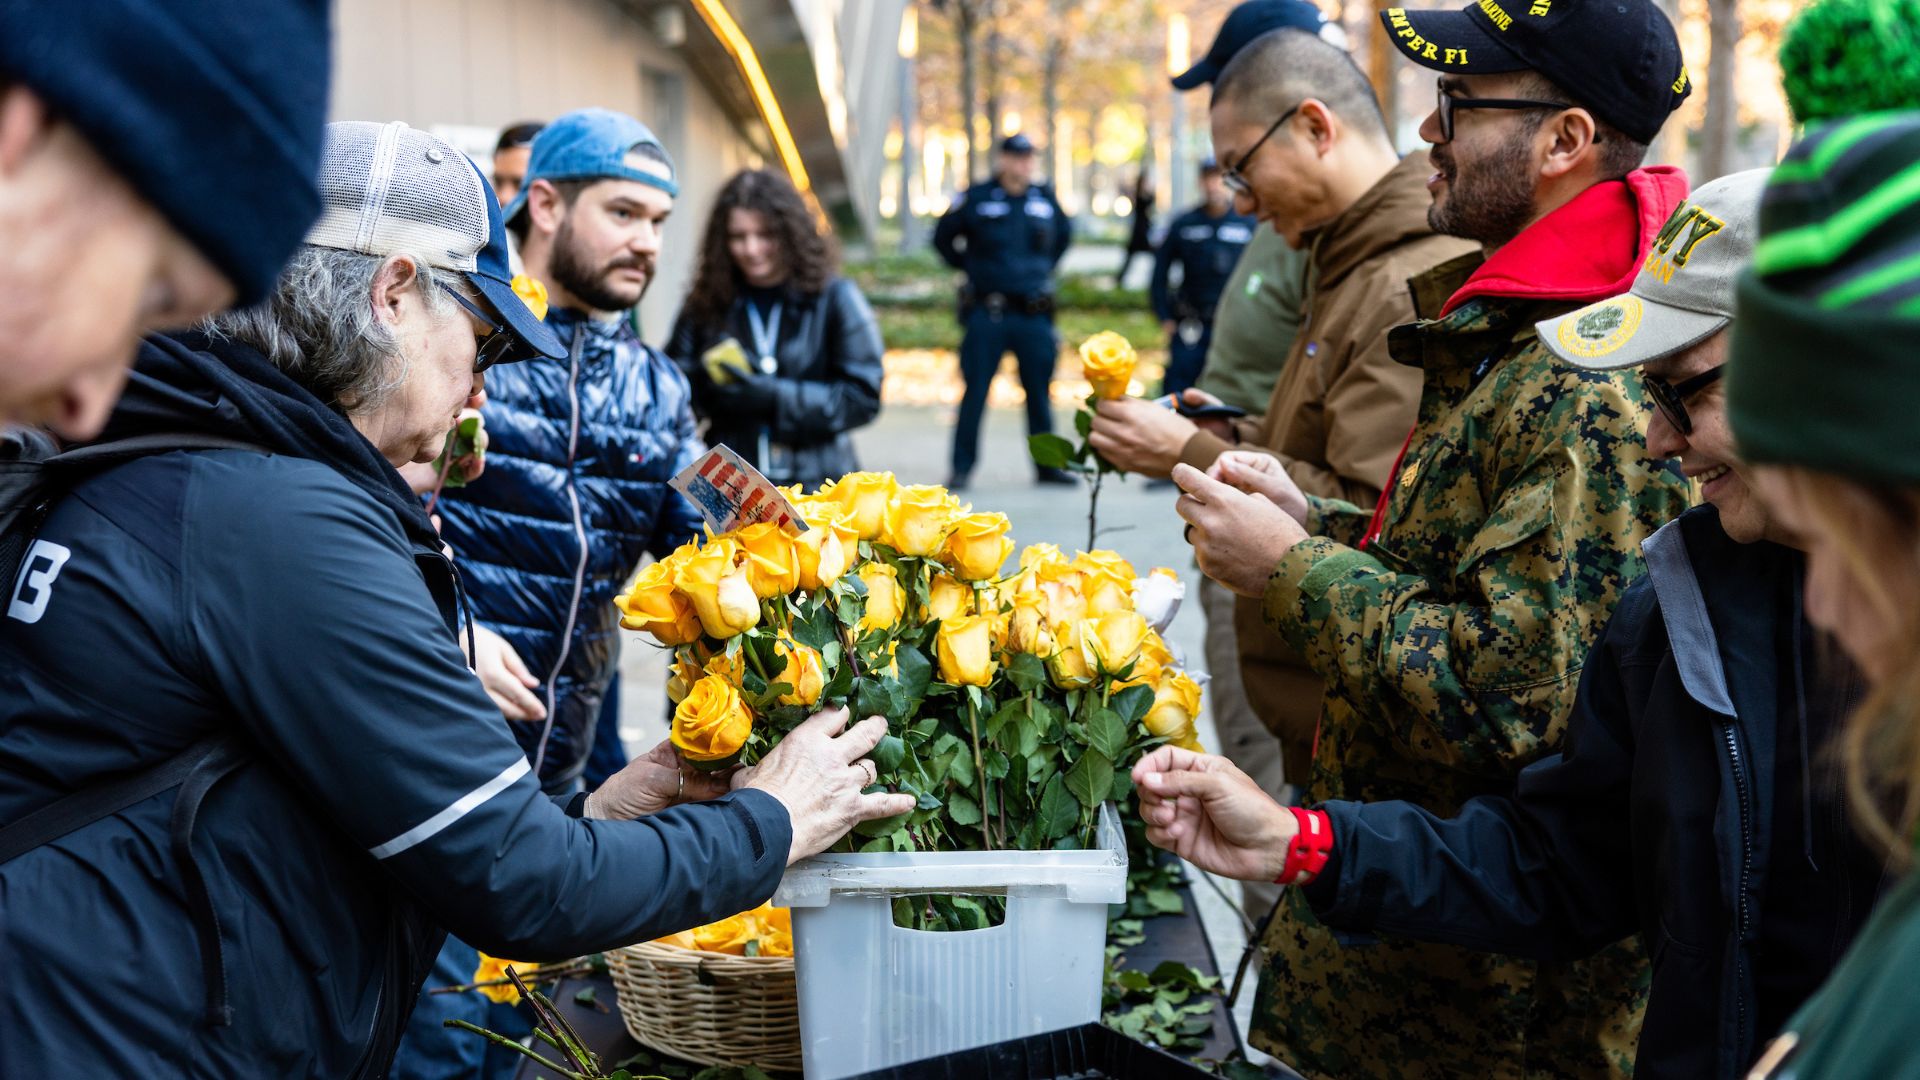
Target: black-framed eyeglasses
x=1671, y=398
x=494, y=346
x=1231, y=177
x=1449, y=104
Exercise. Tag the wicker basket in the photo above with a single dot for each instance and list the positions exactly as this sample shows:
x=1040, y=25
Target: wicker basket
x=708, y=1007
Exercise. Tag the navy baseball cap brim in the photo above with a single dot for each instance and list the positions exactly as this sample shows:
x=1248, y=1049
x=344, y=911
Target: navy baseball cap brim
x=1016, y=144
x=592, y=144
x=1451, y=41
x=1244, y=23
x=492, y=277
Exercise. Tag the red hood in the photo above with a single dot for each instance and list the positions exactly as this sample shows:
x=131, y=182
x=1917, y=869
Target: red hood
x=1589, y=249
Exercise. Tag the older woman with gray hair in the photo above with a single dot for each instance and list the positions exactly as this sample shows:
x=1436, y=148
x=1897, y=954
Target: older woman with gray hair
x=250, y=781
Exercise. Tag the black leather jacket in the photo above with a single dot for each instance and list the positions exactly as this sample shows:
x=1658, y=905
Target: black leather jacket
x=826, y=384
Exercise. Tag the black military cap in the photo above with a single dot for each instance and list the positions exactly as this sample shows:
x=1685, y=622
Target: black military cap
x=1244, y=23
x=1618, y=58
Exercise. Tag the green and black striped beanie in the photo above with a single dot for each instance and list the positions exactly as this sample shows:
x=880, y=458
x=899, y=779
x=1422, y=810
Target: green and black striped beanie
x=1825, y=370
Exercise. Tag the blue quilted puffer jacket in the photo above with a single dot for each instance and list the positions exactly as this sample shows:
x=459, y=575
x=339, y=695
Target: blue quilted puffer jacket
x=575, y=492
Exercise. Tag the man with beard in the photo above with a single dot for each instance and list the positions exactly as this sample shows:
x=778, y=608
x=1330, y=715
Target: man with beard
x=1451, y=621
x=575, y=494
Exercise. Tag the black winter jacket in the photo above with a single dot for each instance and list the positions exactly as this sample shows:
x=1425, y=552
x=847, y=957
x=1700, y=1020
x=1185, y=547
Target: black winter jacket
x=298, y=601
x=1660, y=816
x=827, y=383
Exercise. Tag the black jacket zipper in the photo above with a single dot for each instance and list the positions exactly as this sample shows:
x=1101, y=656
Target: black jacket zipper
x=1743, y=906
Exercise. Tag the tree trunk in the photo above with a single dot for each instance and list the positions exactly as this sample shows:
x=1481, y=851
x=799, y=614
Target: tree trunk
x=1382, y=68
x=1670, y=146
x=1722, y=125
x=991, y=69
x=1050, y=75
x=966, y=28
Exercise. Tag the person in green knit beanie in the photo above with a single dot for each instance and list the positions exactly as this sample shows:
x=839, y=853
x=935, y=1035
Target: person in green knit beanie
x=1821, y=395
x=1851, y=57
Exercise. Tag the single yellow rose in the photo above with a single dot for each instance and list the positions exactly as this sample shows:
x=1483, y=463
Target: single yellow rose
x=886, y=600
x=1108, y=360
x=1027, y=625
x=864, y=496
x=730, y=935
x=801, y=668
x=1113, y=640
x=492, y=969
x=712, y=724
x=947, y=598
x=652, y=604
x=1040, y=555
x=1060, y=589
x=978, y=545
x=825, y=551
x=773, y=566
x=731, y=668
x=919, y=517
x=1104, y=562
x=532, y=292
x=1067, y=667
x=964, y=647
x=1176, y=703
x=1108, y=581
x=714, y=579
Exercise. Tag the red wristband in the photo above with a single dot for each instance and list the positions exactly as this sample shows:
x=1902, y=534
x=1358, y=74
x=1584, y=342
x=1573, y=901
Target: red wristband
x=1308, y=850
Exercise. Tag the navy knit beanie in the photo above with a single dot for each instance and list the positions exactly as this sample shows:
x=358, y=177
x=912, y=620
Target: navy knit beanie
x=213, y=110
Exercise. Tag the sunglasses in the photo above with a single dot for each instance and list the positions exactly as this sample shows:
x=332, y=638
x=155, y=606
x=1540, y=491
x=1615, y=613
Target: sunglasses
x=495, y=345
x=1231, y=177
x=1671, y=398
x=1449, y=105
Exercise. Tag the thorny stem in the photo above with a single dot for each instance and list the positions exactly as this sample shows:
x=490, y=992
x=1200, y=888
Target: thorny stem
x=514, y=1045
x=1093, y=508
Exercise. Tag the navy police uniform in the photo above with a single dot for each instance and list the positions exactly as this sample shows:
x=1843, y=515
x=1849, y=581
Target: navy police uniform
x=1206, y=249
x=1008, y=246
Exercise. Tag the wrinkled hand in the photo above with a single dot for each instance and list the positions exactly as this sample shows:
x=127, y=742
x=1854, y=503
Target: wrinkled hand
x=505, y=676
x=1205, y=810
x=472, y=465
x=651, y=783
x=817, y=772
x=1138, y=436
x=1237, y=538
x=1261, y=474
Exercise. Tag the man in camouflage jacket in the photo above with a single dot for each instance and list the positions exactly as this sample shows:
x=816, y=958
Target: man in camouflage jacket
x=1451, y=622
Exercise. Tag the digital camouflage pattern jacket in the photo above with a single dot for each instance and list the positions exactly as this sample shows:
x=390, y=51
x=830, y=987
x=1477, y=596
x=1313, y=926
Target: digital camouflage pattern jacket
x=1451, y=648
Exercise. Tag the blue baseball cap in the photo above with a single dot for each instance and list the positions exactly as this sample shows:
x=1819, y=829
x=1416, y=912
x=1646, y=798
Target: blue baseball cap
x=1244, y=23
x=592, y=144
x=1016, y=143
x=388, y=189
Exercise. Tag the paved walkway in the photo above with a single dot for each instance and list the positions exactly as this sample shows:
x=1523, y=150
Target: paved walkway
x=1138, y=523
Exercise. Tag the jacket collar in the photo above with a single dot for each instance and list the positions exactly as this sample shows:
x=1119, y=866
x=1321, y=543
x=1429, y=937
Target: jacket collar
x=1390, y=213
x=1588, y=250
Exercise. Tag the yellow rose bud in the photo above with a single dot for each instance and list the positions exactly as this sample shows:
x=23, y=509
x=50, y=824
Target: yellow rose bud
x=919, y=517
x=652, y=604
x=886, y=600
x=1113, y=640
x=864, y=496
x=1104, y=562
x=685, y=672
x=947, y=598
x=1107, y=359
x=1108, y=581
x=712, y=724
x=1067, y=667
x=773, y=566
x=978, y=545
x=964, y=647
x=825, y=550
x=532, y=292
x=719, y=588
x=1176, y=702
x=1027, y=625
x=800, y=668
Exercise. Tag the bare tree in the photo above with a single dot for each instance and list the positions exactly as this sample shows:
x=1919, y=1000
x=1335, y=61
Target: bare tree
x=1721, y=126
x=994, y=69
x=967, y=17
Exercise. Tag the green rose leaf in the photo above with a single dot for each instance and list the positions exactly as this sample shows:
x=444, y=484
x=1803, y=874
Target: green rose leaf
x=1107, y=733
x=1059, y=813
x=1091, y=778
x=889, y=754
x=916, y=671
x=1050, y=451
x=963, y=810
x=1026, y=672
x=1132, y=705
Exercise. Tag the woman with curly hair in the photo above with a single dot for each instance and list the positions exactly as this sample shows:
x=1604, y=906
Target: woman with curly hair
x=783, y=353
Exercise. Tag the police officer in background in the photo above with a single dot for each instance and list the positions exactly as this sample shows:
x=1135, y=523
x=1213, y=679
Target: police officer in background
x=1007, y=234
x=1205, y=243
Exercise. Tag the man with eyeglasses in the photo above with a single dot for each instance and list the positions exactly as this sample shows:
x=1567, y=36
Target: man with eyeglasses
x=1451, y=620
x=1306, y=151
x=1690, y=802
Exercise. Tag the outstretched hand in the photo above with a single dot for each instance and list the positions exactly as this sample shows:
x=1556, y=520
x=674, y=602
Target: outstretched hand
x=1204, y=809
x=818, y=772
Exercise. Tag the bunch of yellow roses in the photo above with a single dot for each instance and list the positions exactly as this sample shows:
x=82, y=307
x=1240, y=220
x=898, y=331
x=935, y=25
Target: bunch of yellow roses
x=764, y=931
x=1016, y=701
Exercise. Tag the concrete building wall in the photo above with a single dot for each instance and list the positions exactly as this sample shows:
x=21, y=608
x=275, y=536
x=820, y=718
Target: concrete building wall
x=466, y=68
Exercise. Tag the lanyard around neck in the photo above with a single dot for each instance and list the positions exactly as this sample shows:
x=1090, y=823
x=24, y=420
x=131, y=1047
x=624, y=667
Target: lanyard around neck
x=766, y=334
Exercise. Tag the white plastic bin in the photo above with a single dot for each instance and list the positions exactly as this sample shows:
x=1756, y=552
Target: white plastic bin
x=873, y=994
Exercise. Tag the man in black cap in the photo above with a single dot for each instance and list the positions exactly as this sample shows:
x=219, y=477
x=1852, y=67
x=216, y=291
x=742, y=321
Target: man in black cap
x=1451, y=620
x=1007, y=234
x=157, y=164
x=1205, y=243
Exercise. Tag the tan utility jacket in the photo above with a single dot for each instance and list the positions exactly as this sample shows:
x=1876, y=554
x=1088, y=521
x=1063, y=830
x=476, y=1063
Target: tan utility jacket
x=1340, y=410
